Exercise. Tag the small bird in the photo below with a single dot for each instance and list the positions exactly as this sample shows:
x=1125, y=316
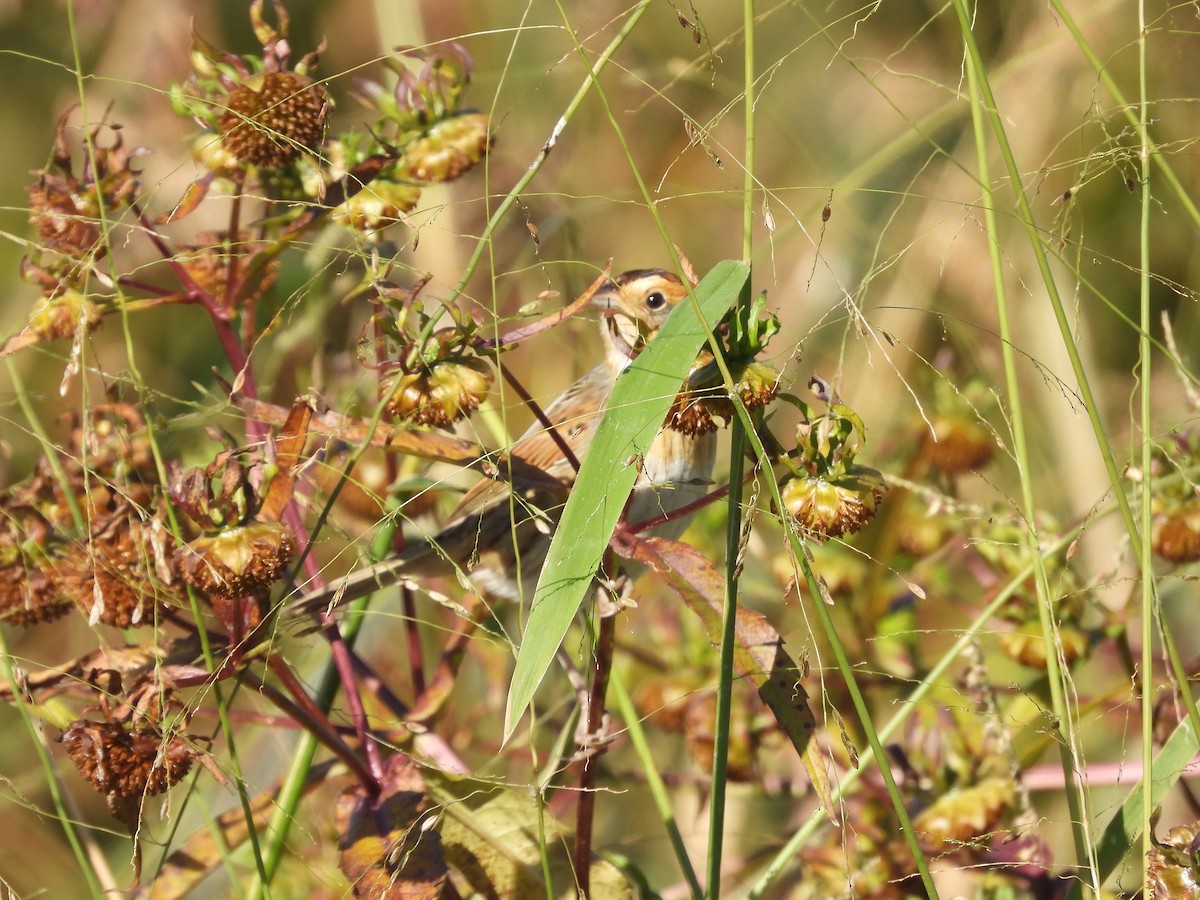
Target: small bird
x=499, y=533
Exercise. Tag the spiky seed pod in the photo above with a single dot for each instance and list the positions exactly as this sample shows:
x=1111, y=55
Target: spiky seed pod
x=441, y=393
x=118, y=583
x=126, y=765
x=1172, y=872
x=958, y=444
x=272, y=119
x=242, y=561
x=829, y=508
x=448, y=149
x=1175, y=533
x=1027, y=646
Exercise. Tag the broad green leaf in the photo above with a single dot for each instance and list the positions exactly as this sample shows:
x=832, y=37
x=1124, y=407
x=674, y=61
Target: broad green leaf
x=638, y=407
x=1124, y=832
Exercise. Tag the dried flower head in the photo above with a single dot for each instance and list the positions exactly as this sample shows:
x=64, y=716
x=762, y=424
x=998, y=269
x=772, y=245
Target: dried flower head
x=436, y=377
x=32, y=591
x=1175, y=531
x=824, y=508
x=831, y=494
x=966, y=814
x=273, y=118
x=382, y=201
x=267, y=114
x=958, y=443
x=1173, y=872
x=704, y=403
x=954, y=435
x=69, y=211
x=1027, y=645
x=126, y=765
x=124, y=569
x=435, y=140
x=447, y=150
x=61, y=315
x=241, y=561
x=704, y=398
x=440, y=393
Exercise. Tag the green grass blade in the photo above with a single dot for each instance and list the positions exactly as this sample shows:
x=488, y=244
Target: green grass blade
x=1125, y=829
x=636, y=411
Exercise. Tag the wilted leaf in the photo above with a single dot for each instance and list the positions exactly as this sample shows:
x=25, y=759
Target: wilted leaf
x=288, y=447
x=191, y=199
x=492, y=836
x=759, y=654
x=387, y=850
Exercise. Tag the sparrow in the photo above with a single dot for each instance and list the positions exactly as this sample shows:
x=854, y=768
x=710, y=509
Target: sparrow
x=500, y=532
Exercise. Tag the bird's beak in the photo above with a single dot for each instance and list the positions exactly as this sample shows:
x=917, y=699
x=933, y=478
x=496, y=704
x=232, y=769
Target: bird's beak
x=606, y=297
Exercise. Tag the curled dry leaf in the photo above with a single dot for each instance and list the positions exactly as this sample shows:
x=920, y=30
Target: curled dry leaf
x=387, y=850
x=759, y=654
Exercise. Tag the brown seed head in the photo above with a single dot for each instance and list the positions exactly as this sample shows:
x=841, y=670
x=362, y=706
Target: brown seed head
x=126, y=765
x=1175, y=533
x=959, y=444
x=274, y=124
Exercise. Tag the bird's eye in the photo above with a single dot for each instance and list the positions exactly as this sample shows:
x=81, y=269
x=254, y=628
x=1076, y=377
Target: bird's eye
x=655, y=300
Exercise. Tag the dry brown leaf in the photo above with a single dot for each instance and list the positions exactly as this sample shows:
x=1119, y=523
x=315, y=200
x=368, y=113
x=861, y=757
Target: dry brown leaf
x=759, y=654
x=289, y=445
x=387, y=847
x=191, y=199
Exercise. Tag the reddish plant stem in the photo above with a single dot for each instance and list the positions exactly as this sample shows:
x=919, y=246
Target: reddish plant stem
x=412, y=635
x=341, y=654
x=430, y=744
x=232, y=282
x=301, y=709
x=344, y=663
x=586, y=811
x=234, y=351
x=304, y=711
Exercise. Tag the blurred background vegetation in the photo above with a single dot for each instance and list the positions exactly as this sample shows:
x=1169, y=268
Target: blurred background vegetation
x=869, y=239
